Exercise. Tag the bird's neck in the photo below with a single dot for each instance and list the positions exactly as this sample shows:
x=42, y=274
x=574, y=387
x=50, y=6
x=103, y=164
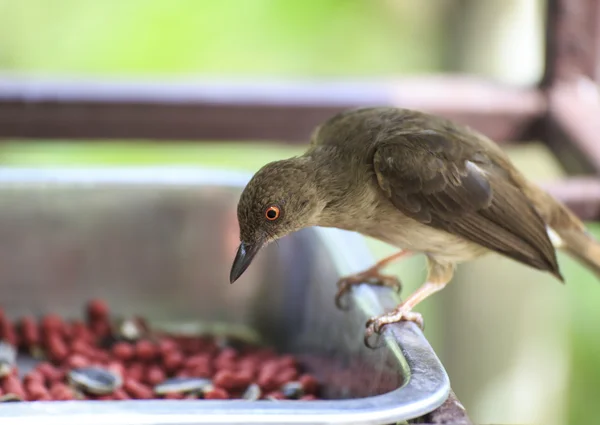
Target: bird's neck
x=343, y=192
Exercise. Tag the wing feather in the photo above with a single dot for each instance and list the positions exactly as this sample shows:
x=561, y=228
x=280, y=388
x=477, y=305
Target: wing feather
x=455, y=187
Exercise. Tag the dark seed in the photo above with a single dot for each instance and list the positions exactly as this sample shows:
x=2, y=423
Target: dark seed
x=252, y=393
x=183, y=385
x=132, y=329
x=292, y=390
x=207, y=389
x=95, y=380
x=8, y=358
x=9, y=397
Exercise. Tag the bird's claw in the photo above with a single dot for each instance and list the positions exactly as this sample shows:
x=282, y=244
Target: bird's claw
x=370, y=278
x=375, y=324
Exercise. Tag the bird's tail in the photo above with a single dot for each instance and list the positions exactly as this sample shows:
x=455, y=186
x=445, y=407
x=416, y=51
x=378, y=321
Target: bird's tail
x=581, y=246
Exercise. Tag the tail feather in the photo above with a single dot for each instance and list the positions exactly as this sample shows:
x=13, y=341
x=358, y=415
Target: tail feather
x=580, y=245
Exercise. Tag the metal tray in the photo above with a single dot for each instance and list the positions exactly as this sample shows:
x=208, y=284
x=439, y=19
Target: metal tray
x=159, y=242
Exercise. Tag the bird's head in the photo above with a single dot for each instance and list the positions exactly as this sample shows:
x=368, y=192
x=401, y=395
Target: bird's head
x=281, y=198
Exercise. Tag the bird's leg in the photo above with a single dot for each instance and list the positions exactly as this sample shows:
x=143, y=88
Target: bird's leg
x=371, y=276
x=438, y=277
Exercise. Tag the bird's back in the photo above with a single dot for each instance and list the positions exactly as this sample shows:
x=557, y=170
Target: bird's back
x=354, y=136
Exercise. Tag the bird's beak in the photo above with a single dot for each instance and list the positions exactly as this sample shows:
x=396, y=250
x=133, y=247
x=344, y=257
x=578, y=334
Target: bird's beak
x=243, y=258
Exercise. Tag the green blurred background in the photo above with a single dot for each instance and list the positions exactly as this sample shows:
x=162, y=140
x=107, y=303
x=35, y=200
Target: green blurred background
x=519, y=347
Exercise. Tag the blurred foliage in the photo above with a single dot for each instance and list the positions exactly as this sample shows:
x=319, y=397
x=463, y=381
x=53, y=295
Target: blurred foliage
x=69, y=153
x=244, y=37
x=583, y=391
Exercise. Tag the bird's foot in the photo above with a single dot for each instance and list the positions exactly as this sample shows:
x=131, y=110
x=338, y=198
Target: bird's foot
x=371, y=276
x=402, y=313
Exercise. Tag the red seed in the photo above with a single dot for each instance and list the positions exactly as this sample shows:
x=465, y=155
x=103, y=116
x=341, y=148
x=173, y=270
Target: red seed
x=268, y=382
x=76, y=361
x=155, y=375
x=117, y=367
x=80, y=346
x=60, y=391
x=308, y=397
x=203, y=360
x=264, y=354
x=269, y=368
x=216, y=394
x=105, y=397
x=268, y=378
x=199, y=372
x=145, y=350
x=28, y=384
x=123, y=351
x=35, y=390
x=101, y=356
x=11, y=384
x=225, y=379
x=50, y=373
x=167, y=345
x=231, y=381
x=135, y=371
x=310, y=385
x=58, y=386
x=7, y=332
x=57, y=348
x=120, y=394
x=51, y=323
x=226, y=359
x=34, y=376
x=137, y=390
x=287, y=361
x=39, y=395
x=244, y=377
x=248, y=374
x=277, y=395
x=286, y=375
x=80, y=332
x=173, y=361
x=248, y=364
x=183, y=374
x=97, y=309
x=100, y=328
x=66, y=332
x=29, y=331
x=190, y=345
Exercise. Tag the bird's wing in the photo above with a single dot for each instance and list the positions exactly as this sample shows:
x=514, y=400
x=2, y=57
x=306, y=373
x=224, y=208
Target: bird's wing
x=453, y=186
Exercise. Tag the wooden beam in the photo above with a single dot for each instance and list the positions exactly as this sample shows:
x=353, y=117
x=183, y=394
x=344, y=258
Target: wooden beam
x=572, y=40
x=278, y=111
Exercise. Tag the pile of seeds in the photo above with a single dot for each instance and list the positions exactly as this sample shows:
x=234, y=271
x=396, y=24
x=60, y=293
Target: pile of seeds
x=105, y=359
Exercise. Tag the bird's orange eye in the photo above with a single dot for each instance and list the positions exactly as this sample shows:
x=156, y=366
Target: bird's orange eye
x=272, y=213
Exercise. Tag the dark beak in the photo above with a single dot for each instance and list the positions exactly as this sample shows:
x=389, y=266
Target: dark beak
x=243, y=258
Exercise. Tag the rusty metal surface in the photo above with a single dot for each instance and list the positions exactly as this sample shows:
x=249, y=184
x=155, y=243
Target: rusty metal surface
x=572, y=40
x=452, y=412
x=278, y=111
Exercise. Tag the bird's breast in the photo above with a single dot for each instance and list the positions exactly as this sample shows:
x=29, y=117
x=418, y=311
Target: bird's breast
x=396, y=229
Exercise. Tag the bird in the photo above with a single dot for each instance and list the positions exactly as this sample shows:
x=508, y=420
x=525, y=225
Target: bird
x=417, y=181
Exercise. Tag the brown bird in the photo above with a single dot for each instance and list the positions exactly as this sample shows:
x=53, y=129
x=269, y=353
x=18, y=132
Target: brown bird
x=419, y=182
